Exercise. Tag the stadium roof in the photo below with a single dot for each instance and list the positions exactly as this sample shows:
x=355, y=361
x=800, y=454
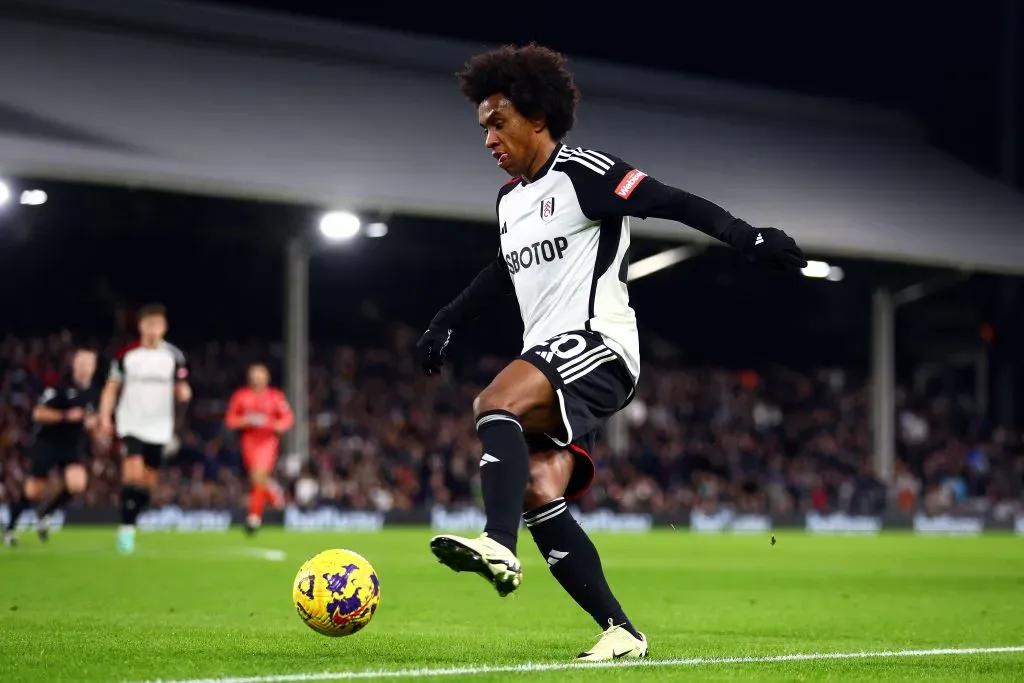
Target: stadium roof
x=192, y=98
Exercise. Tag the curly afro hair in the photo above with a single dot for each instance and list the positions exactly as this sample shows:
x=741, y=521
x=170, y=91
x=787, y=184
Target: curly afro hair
x=534, y=78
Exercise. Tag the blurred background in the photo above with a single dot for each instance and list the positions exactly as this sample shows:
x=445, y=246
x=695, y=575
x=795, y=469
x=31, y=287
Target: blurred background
x=187, y=153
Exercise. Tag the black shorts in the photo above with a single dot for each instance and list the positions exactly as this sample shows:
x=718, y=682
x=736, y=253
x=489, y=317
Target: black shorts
x=46, y=456
x=591, y=384
x=152, y=453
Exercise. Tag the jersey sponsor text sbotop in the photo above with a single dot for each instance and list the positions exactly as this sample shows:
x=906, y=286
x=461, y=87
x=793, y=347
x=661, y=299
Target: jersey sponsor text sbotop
x=565, y=242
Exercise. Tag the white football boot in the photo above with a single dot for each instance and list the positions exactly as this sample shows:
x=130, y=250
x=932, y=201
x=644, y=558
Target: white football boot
x=481, y=555
x=615, y=643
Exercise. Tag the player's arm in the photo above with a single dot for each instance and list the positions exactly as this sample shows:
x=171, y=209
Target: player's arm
x=108, y=398
x=235, y=417
x=182, y=389
x=285, y=416
x=49, y=409
x=490, y=285
x=622, y=190
x=109, y=395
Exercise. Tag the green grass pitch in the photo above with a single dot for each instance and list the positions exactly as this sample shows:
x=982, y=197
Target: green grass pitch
x=217, y=606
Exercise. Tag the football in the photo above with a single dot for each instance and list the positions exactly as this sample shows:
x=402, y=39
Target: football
x=336, y=592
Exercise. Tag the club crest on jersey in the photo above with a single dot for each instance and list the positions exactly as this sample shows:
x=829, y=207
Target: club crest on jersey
x=547, y=209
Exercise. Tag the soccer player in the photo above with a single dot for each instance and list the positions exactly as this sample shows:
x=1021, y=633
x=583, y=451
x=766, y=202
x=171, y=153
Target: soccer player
x=145, y=379
x=262, y=414
x=564, y=233
x=64, y=416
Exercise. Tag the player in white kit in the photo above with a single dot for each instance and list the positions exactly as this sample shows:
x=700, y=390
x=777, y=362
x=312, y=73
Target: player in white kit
x=146, y=378
x=564, y=229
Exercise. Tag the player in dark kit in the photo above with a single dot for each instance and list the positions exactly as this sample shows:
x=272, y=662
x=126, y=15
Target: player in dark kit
x=564, y=232
x=64, y=417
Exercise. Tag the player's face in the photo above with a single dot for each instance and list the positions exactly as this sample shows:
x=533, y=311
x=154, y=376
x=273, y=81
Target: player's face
x=511, y=137
x=153, y=327
x=83, y=366
x=259, y=377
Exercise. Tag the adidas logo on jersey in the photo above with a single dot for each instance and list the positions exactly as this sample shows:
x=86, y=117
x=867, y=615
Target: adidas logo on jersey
x=758, y=240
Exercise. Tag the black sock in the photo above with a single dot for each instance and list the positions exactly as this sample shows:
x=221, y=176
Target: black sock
x=133, y=501
x=16, y=510
x=574, y=561
x=504, y=474
x=59, y=501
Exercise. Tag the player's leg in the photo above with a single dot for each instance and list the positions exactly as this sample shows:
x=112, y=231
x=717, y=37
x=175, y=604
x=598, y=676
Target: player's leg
x=134, y=496
x=520, y=397
x=275, y=494
x=41, y=462
x=152, y=461
x=33, y=491
x=571, y=556
x=259, y=461
x=519, y=400
x=257, y=500
x=73, y=484
x=136, y=480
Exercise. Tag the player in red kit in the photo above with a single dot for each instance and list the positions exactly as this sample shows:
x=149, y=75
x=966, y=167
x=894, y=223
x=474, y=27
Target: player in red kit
x=262, y=414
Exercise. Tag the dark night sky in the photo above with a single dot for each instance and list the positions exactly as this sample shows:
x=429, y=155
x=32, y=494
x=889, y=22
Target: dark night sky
x=940, y=62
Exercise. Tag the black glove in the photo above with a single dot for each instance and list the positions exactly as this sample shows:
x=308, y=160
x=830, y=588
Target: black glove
x=432, y=348
x=773, y=249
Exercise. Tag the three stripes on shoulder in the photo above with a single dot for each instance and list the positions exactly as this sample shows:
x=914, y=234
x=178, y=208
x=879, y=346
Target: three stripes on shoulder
x=595, y=161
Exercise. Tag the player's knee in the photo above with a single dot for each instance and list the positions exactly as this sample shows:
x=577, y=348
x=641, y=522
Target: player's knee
x=549, y=476
x=539, y=492
x=134, y=470
x=75, y=480
x=259, y=477
x=504, y=400
x=34, y=488
x=487, y=401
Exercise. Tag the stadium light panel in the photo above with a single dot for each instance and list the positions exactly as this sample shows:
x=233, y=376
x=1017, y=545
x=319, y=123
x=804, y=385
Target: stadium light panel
x=33, y=197
x=816, y=269
x=340, y=225
x=5, y=193
x=652, y=264
x=376, y=230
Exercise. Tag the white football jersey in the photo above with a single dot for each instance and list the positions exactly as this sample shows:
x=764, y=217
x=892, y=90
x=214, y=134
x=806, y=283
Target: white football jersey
x=145, y=408
x=565, y=240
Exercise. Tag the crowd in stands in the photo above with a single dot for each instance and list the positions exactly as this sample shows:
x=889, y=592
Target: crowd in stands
x=383, y=436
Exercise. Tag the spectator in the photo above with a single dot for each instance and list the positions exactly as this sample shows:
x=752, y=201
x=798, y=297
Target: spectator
x=383, y=438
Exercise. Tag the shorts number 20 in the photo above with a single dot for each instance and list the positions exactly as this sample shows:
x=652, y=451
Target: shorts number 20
x=567, y=346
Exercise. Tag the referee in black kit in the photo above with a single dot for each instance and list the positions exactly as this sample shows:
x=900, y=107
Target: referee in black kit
x=64, y=416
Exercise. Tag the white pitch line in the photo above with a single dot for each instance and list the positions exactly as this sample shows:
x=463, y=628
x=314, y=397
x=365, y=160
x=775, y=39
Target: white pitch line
x=266, y=553
x=569, y=666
